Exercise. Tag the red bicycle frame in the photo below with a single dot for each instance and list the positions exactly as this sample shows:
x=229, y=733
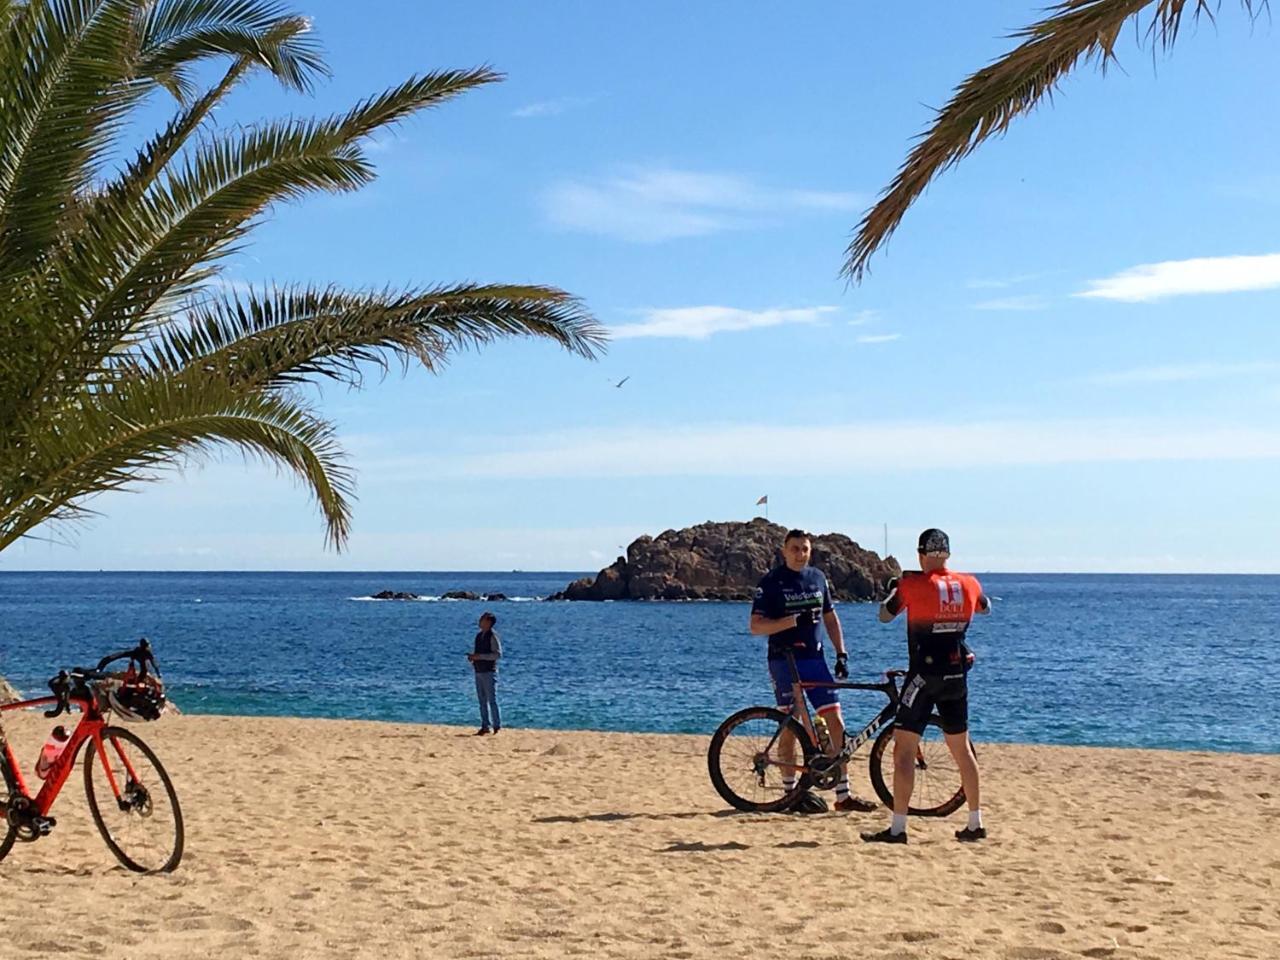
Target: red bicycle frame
x=88, y=729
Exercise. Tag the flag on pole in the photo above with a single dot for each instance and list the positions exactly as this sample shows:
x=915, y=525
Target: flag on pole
x=762, y=500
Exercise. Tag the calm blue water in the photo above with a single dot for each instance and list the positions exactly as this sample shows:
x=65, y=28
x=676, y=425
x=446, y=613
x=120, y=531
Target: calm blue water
x=1161, y=661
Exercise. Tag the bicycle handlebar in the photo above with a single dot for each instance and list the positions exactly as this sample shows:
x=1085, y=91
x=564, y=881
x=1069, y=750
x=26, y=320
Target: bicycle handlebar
x=141, y=655
x=75, y=683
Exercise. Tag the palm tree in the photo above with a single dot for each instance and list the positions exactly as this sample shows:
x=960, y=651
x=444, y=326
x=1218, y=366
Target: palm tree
x=1076, y=32
x=123, y=353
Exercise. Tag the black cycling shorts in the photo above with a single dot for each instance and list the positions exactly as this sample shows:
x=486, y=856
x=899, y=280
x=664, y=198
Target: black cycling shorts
x=923, y=694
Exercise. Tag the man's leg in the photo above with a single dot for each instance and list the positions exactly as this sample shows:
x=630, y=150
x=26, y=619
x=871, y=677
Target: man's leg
x=958, y=744
x=835, y=729
x=913, y=713
x=953, y=711
x=484, y=702
x=493, y=702
x=780, y=677
x=787, y=755
x=905, y=745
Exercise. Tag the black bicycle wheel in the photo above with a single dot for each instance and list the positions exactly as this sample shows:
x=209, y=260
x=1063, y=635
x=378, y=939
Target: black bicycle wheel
x=746, y=764
x=142, y=823
x=10, y=787
x=938, y=791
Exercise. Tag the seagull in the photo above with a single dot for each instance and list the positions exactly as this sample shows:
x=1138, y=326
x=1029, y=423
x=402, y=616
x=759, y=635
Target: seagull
x=623, y=380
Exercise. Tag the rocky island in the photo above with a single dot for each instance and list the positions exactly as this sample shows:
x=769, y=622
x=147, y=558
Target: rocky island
x=724, y=561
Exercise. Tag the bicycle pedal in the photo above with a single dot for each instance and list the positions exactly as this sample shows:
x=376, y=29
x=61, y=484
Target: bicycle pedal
x=43, y=825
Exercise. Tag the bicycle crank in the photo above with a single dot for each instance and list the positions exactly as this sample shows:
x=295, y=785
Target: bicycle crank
x=28, y=826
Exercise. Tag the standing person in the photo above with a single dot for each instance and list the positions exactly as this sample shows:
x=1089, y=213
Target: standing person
x=940, y=604
x=488, y=650
x=791, y=600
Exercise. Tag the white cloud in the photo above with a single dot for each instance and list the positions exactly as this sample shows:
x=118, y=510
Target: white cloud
x=863, y=317
x=655, y=204
x=1175, y=278
x=1027, y=302
x=699, y=323
x=1180, y=373
x=550, y=108
x=849, y=449
x=878, y=337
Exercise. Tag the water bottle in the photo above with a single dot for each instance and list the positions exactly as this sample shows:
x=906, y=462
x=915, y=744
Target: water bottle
x=51, y=750
x=824, y=735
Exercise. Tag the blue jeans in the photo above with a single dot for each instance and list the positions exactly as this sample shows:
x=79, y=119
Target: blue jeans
x=487, y=693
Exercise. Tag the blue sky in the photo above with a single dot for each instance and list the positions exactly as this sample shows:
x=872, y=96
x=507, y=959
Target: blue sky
x=1067, y=357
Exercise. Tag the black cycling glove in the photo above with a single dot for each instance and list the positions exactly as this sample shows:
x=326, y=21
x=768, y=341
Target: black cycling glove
x=842, y=667
x=809, y=618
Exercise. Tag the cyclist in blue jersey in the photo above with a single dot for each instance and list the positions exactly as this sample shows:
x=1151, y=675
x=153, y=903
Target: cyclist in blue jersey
x=790, y=602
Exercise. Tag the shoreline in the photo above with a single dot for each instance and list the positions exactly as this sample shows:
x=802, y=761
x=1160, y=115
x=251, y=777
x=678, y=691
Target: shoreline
x=366, y=838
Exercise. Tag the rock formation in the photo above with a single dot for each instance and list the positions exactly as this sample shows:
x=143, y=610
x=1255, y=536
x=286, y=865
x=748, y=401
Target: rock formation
x=724, y=561
x=8, y=694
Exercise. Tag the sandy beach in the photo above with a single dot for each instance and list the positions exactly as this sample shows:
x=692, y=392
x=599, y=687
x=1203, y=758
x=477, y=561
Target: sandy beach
x=316, y=838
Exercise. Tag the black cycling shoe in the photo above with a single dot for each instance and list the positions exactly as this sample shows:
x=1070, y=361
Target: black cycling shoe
x=885, y=836
x=971, y=836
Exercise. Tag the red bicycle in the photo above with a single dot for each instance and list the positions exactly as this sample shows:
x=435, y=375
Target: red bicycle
x=130, y=795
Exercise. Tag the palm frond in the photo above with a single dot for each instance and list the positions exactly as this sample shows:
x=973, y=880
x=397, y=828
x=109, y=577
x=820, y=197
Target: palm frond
x=118, y=359
x=177, y=34
x=284, y=337
x=57, y=108
x=134, y=253
x=121, y=437
x=984, y=105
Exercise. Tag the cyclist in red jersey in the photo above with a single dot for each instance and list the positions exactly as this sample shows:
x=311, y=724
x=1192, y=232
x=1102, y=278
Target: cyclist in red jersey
x=940, y=604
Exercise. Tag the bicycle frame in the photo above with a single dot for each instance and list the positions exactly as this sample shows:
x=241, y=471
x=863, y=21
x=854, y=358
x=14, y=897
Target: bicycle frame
x=89, y=729
x=801, y=711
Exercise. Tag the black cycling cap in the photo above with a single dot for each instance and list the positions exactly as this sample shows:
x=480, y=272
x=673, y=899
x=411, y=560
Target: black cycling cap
x=933, y=542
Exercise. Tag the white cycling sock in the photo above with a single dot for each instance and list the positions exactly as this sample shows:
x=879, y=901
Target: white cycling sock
x=899, y=824
x=788, y=784
x=975, y=819
x=842, y=788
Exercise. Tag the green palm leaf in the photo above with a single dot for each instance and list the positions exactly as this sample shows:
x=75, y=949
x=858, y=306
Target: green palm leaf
x=285, y=336
x=122, y=355
x=106, y=441
x=984, y=105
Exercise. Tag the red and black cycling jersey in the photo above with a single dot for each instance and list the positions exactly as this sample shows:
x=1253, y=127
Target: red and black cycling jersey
x=939, y=607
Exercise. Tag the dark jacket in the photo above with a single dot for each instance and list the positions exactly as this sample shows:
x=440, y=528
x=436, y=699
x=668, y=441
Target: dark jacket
x=488, y=651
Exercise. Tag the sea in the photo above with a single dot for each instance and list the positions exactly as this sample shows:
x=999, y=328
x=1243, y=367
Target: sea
x=1181, y=662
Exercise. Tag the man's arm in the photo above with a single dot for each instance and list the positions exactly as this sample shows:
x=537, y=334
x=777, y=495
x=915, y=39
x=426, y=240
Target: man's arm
x=835, y=631
x=892, y=605
x=762, y=626
x=984, y=602
x=831, y=620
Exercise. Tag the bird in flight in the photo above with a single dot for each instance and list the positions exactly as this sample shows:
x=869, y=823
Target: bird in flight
x=622, y=381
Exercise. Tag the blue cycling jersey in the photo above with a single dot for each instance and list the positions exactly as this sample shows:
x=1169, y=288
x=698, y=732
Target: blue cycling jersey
x=783, y=592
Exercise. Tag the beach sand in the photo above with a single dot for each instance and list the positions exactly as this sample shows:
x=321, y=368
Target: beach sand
x=316, y=838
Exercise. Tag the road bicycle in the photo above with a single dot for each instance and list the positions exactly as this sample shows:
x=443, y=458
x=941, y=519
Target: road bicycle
x=755, y=767
x=130, y=795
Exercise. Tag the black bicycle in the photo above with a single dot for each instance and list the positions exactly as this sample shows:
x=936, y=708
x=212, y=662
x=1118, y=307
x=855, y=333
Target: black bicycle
x=763, y=759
